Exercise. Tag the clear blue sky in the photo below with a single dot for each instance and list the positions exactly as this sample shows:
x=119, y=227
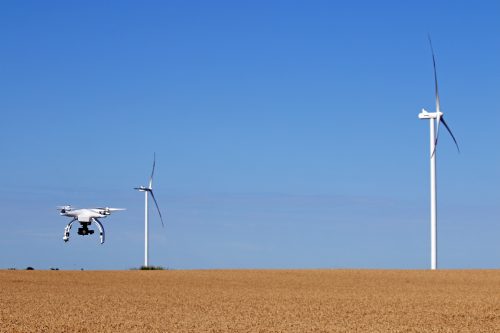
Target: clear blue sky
x=286, y=132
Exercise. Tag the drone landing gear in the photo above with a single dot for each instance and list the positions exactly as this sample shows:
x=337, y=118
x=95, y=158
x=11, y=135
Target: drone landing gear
x=84, y=229
x=101, y=229
x=67, y=229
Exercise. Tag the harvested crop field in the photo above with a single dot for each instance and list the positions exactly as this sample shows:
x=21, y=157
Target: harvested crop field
x=250, y=301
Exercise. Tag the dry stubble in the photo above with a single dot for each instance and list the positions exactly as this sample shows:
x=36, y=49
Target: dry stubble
x=250, y=301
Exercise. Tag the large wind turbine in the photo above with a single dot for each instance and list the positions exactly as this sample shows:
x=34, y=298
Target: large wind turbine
x=435, y=119
x=148, y=191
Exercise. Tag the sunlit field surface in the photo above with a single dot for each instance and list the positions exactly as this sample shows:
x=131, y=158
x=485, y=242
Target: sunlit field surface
x=250, y=301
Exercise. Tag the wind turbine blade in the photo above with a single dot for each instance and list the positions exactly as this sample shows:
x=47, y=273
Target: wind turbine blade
x=436, y=88
x=157, y=208
x=449, y=131
x=152, y=171
x=436, y=93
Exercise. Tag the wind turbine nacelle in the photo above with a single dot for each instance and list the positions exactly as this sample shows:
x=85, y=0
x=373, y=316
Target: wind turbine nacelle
x=428, y=115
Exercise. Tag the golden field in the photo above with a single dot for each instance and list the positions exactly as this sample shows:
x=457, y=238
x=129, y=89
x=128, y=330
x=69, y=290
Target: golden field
x=250, y=301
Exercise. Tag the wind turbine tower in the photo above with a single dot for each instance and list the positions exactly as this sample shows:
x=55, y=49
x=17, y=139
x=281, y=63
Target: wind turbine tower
x=147, y=192
x=435, y=119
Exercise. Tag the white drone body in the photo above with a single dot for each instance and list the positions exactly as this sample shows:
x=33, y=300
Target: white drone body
x=85, y=217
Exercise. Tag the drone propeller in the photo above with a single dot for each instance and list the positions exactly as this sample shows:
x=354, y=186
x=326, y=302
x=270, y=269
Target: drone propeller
x=113, y=209
x=108, y=210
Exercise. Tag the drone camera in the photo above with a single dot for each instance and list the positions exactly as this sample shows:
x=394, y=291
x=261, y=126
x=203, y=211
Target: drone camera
x=84, y=230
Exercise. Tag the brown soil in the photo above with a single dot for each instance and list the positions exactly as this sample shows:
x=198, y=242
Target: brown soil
x=250, y=301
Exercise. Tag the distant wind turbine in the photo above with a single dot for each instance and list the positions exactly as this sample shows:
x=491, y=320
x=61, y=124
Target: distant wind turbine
x=148, y=191
x=435, y=119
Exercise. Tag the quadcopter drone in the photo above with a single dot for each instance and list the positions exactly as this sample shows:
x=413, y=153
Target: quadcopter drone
x=85, y=217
